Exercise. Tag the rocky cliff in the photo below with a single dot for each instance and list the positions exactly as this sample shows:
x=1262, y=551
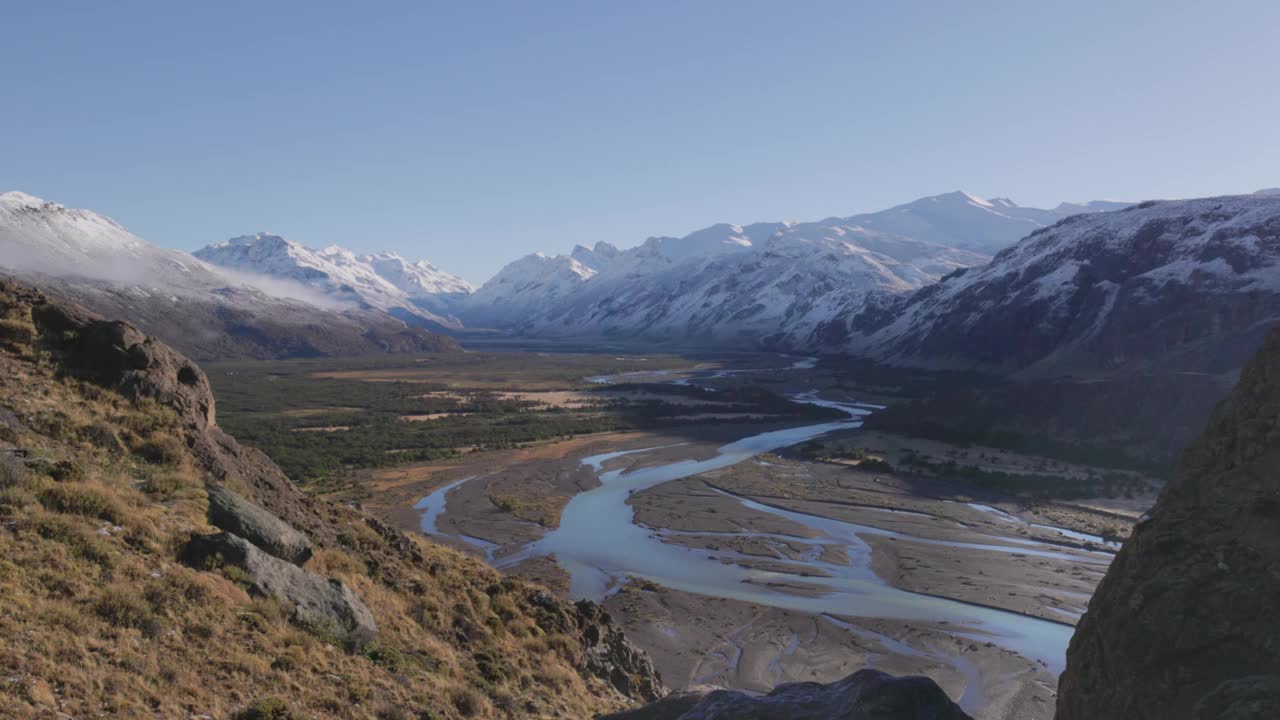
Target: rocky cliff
x=1185, y=623
x=153, y=567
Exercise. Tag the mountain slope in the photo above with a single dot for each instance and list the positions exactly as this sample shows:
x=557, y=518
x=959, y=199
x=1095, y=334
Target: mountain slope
x=966, y=221
x=1183, y=625
x=384, y=281
x=113, y=468
x=771, y=295
x=771, y=284
x=1187, y=285
x=206, y=311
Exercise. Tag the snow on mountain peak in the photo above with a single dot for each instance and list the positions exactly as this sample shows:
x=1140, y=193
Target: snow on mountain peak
x=384, y=281
x=14, y=199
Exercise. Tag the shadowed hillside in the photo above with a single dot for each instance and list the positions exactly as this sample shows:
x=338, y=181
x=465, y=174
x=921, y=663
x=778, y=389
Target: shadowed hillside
x=1184, y=624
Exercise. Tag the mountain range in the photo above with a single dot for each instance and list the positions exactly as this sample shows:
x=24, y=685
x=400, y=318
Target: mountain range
x=759, y=285
x=1188, y=285
x=939, y=282
x=415, y=291
x=207, y=311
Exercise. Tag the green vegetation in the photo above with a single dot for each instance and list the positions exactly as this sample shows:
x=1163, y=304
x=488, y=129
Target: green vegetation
x=320, y=419
x=1043, y=486
x=862, y=457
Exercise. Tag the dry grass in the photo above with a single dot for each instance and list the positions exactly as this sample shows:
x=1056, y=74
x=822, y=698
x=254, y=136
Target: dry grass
x=99, y=619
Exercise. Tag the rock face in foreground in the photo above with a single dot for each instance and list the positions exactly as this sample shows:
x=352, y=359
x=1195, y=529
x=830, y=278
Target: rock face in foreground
x=864, y=695
x=1186, y=623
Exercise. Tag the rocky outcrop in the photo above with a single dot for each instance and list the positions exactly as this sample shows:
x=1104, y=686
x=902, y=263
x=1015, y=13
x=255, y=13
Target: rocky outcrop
x=324, y=605
x=1184, y=623
x=606, y=652
x=118, y=356
x=232, y=513
x=609, y=655
x=864, y=695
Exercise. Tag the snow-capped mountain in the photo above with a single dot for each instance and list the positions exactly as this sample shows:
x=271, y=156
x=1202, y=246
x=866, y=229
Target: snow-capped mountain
x=206, y=311
x=418, y=279
x=963, y=220
x=528, y=287
x=1187, y=285
x=413, y=291
x=772, y=283
x=42, y=236
x=772, y=296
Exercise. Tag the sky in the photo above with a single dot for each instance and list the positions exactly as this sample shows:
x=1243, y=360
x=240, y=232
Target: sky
x=470, y=133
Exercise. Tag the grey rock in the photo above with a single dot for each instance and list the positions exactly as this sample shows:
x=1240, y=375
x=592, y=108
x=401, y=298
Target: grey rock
x=236, y=515
x=1184, y=625
x=324, y=605
x=609, y=655
x=864, y=695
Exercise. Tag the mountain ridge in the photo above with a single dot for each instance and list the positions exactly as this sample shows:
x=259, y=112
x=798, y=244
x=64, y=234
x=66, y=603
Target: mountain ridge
x=717, y=284
x=205, y=311
x=1194, y=283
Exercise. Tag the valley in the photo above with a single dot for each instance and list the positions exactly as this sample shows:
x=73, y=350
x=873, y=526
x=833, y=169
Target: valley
x=729, y=511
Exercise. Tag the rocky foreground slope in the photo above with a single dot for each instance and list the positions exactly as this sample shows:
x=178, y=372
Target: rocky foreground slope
x=152, y=567
x=1184, y=625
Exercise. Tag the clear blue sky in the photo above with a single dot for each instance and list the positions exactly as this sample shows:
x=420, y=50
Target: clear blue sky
x=473, y=132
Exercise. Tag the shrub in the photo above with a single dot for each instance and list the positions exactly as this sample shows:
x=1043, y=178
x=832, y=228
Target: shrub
x=12, y=473
x=80, y=499
x=17, y=335
x=268, y=708
x=103, y=436
x=174, y=591
x=14, y=499
x=167, y=483
x=124, y=607
x=147, y=419
x=388, y=658
x=160, y=449
x=73, y=535
x=876, y=465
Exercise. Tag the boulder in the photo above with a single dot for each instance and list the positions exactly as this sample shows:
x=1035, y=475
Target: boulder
x=119, y=356
x=864, y=695
x=1184, y=625
x=324, y=605
x=236, y=515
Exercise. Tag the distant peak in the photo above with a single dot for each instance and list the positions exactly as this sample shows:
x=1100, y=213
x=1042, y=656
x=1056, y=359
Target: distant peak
x=256, y=238
x=16, y=198
x=970, y=197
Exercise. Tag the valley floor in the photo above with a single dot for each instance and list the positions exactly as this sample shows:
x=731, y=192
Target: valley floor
x=797, y=556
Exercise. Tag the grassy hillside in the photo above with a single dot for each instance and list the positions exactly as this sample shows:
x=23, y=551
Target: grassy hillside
x=106, y=449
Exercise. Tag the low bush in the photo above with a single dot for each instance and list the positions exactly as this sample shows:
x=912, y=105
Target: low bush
x=160, y=449
x=125, y=607
x=81, y=499
x=16, y=334
x=268, y=708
